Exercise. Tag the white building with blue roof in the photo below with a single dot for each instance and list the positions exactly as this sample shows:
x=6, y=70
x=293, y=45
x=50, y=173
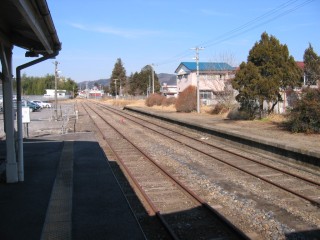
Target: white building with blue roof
x=214, y=78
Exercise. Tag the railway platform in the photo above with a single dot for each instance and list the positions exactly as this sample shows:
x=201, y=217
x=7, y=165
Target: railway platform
x=302, y=148
x=69, y=192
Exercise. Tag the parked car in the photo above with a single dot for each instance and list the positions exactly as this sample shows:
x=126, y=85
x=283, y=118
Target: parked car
x=33, y=106
x=47, y=104
x=42, y=104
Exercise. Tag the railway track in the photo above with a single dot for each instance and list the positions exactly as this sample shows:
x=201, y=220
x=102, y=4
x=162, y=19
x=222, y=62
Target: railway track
x=300, y=186
x=183, y=213
x=234, y=193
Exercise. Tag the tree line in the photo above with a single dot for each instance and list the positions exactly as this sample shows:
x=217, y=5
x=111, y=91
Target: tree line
x=138, y=83
x=37, y=85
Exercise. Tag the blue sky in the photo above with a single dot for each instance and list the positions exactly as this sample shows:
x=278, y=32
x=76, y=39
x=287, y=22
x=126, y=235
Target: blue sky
x=161, y=32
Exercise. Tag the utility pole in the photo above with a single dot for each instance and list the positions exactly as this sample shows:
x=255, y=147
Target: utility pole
x=197, y=61
x=149, y=87
x=87, y=91
x=152, y=74
x=55, y=89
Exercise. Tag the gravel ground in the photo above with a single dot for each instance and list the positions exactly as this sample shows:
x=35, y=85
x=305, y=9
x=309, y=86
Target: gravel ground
x=242, y=199
x=270, y=130
x=252, y=205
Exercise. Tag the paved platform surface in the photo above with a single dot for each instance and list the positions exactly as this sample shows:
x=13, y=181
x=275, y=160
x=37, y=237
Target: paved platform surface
x=69, y=192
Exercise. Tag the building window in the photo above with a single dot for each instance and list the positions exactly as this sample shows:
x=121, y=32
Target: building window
x=205, y=95
x=180, y=77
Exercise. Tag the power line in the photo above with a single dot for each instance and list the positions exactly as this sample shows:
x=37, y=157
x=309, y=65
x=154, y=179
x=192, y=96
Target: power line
x=271, y=15
x=255, y=20
x=211, y=43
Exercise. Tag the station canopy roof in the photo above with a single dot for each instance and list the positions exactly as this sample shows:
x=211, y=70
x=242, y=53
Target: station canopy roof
x=28, y=24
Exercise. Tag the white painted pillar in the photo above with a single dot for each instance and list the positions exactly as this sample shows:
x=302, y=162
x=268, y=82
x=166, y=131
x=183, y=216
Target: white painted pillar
x=6, y=62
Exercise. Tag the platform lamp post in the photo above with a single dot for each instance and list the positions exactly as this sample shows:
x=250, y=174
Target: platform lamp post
x=198, y=90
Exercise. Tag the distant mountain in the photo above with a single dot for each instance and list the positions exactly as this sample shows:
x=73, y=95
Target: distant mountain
x=103, y=82
x=169, y=79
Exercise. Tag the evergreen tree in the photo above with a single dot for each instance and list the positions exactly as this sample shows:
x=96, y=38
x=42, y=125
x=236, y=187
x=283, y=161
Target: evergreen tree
x=277, y=71
x=49, y=81
x=248, y=82
x=134, y=84
x=146, y=73
x=118, y=73
x=140, y=82
x=311, y=66
x=305, y=115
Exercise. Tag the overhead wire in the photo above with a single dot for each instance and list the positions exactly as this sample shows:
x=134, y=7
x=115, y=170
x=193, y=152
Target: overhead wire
x=209, y=44
x=255, y=20
x=271, y=15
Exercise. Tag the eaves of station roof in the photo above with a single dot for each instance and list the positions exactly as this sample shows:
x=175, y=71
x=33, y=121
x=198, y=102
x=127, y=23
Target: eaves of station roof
x=28, y=24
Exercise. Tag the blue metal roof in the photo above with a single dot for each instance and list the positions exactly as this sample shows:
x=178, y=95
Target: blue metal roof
x=207, y=66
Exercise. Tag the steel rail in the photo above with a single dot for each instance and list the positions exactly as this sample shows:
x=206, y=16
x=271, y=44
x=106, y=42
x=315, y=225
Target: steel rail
x=181, y=185
x=312, y=201
x=155, y=210
x=217, y=147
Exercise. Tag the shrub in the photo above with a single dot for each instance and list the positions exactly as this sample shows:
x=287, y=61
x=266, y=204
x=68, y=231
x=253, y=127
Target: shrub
x=305, y=115
x=187, y=100
x=237, y=114
x=248, y=109
x=169, y=101
x=154, y=99
x=219, y=108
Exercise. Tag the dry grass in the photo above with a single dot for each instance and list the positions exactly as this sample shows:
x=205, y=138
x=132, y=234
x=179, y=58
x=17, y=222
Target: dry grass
x=141, y=103
x=273, y=118
x=137, y=103
x=206, y=109
x=276, y=118
x=273, y=121
x=119, y=102
x=170, y=108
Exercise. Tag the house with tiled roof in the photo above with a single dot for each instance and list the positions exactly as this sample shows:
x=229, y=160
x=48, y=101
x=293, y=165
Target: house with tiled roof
x=214, y=78
x=301, y=65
